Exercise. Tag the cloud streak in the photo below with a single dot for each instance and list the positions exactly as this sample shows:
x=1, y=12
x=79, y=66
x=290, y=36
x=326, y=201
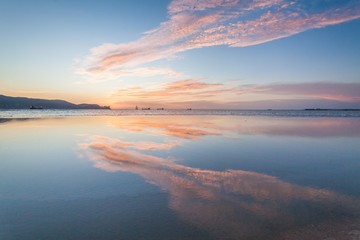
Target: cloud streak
x=197, y=93
x=203, y=23
x=346, y=92
x=98, y=75
x=177, y=89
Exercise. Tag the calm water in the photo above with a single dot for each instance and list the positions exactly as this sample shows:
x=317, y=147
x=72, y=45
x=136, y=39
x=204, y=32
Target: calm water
x=204, y=176
x=27, y=113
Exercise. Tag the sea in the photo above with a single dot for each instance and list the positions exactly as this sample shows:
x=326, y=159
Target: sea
x=39, y=113
x=180, y=174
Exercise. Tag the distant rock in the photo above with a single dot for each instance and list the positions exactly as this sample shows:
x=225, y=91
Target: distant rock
x=25, y=103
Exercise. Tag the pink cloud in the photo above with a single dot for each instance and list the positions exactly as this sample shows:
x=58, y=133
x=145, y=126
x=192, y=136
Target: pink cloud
x=343, y=92
x=202, y=23
x=98, y=75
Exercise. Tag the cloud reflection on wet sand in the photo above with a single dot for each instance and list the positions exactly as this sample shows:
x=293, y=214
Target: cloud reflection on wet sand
x=233, y=204
x=197, y=127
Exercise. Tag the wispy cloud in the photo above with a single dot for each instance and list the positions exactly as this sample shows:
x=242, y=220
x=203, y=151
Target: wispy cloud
x=197, y=93
x=345, y=92
x=97, y=75
x=202, y=23
x=174, y=94
x=189, y=87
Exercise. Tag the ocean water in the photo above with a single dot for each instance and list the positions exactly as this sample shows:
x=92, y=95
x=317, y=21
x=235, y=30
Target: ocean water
x=179, y=174
x=27, y=113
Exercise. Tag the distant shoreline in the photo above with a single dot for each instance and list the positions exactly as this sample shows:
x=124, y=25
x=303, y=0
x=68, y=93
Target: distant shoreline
x=331, y=109
x=8, y=103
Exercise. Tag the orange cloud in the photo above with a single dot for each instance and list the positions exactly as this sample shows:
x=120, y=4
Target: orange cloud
x=167, y=94
x=183, y=87
x=195, y=93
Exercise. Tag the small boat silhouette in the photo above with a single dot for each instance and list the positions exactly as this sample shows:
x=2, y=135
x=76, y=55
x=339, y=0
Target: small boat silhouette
x=34, y=107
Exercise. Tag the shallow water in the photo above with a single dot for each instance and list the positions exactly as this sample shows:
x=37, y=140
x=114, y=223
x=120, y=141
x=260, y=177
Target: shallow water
x=180, y=177
x=43, y=113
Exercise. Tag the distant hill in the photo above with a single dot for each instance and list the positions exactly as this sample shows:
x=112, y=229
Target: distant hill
x=25, y=103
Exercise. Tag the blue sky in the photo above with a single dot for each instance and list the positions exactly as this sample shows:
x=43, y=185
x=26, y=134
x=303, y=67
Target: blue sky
x=200, y=54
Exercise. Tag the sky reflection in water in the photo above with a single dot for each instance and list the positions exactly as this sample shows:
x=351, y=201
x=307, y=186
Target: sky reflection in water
x=222, y=177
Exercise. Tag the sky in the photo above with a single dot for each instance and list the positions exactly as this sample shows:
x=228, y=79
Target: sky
x=209, y=54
